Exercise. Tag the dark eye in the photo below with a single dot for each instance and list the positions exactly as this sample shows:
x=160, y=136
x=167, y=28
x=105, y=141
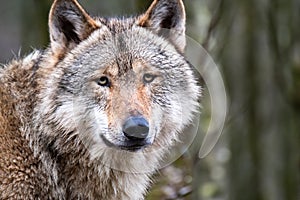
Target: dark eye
x=103, y=81
x=148, y=78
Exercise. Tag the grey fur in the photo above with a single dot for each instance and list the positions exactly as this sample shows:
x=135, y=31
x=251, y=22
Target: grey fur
x=55, y=117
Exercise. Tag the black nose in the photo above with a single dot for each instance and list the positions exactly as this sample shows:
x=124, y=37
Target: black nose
x=136, y=128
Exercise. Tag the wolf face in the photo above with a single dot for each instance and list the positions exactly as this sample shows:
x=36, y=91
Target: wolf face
x=123, y=85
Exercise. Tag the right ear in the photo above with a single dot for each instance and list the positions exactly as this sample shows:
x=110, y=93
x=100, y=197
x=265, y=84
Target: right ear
x=69, y=24
x=166, y=18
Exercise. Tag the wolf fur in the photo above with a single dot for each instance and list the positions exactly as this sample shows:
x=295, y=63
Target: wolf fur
x=61, y=124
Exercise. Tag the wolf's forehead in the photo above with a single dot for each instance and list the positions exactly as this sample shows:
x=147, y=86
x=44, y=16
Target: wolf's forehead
x=121, y=46
x=117, y=25
x=135, y=67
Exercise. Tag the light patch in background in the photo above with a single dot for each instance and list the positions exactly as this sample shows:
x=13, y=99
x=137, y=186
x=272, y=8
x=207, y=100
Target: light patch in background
x=212, y=77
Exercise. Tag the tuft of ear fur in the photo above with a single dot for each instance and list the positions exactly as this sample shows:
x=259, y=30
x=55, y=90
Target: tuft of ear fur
x=69, y=24
x=166, y=18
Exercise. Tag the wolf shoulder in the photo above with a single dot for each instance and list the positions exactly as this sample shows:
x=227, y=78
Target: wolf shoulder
x=18, y=167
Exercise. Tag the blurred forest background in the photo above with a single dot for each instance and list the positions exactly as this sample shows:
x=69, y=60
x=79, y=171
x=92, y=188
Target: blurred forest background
x=256, y=45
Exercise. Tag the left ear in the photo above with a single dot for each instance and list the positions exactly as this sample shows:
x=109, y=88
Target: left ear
x=166, y=18
x=69, y=24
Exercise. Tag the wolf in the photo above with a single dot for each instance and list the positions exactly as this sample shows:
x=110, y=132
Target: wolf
x=92, y=115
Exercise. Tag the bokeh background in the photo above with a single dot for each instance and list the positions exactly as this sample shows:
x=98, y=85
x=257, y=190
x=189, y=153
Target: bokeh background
x=256, y=45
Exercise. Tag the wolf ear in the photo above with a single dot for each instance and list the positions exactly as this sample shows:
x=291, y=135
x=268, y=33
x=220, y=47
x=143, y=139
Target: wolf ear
x=166, y=18
x=69, y=24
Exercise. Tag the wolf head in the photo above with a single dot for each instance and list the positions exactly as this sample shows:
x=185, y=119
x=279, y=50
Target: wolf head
x=120, y=86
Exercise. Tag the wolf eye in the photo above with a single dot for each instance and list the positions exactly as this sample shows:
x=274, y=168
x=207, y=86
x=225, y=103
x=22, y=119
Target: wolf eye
x=148, y=78
x=103, y=81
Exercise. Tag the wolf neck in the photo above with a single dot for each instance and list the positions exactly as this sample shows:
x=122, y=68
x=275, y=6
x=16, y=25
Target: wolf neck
x=76, y=177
